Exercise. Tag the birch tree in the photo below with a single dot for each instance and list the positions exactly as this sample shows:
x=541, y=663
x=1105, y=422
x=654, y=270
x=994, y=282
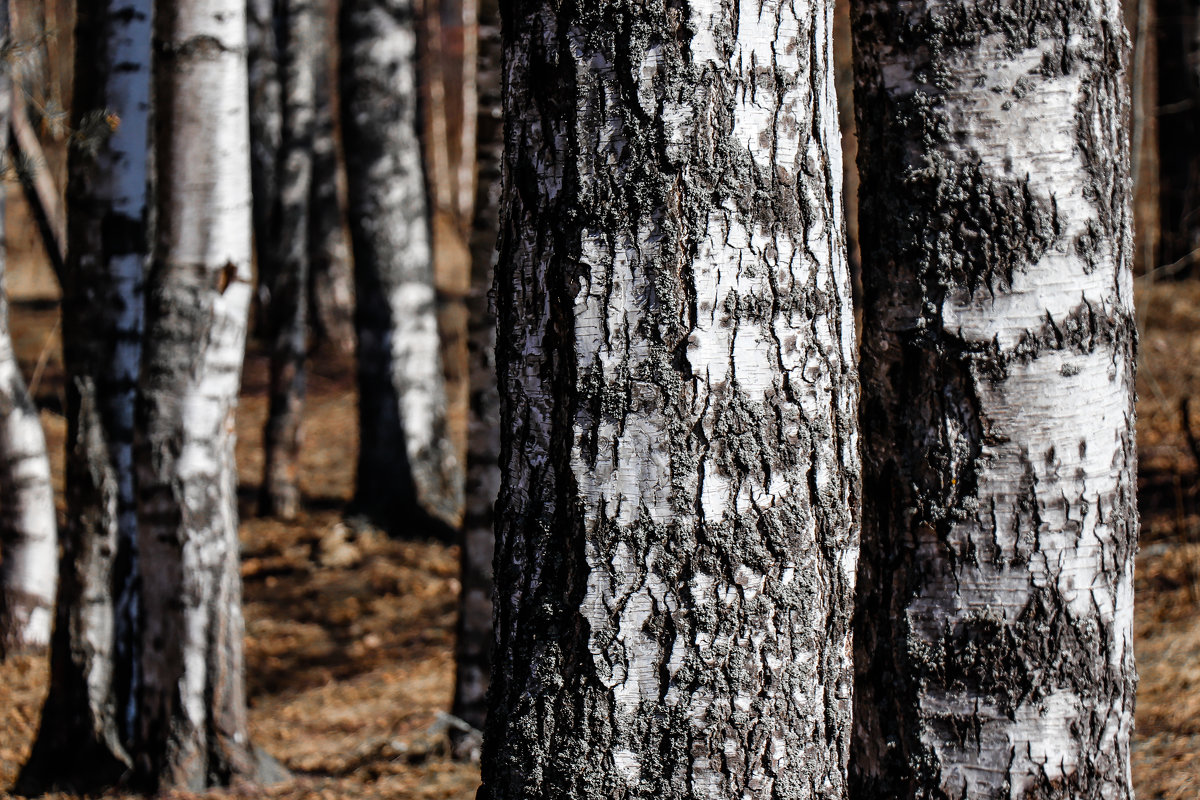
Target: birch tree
x=28, y=530
x=477, y=540
x=332, y=271
x=677, y=523
x=993, y=638
x=407, y=468
x=291, y=256
x=88, y=715
x=192, y=710
x=1178, y=128
x=28, y=546
x=266, y=133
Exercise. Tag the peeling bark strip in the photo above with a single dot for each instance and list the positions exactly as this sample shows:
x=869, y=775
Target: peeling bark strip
x=993, y=637
x=477, y=541
x=677, y=526
x=193, y=710
x=28, y=543
x=406, y=464
x=87, y=720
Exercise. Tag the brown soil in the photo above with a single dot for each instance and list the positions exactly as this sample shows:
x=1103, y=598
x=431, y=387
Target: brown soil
x=350, y=634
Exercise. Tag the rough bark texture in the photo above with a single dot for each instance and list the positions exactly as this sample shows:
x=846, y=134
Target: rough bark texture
x=993, y=634
x=192, y=726
x=408, y=474
x=28, y=531
x=677, y=526
x=287, y=312
x=87, y=720
x=474, y=641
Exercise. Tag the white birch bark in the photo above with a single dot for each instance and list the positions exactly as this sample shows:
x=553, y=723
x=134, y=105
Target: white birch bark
x=291, y=253
x=994, y=637
x=409, y=476
x=28, y=529
x=192, y=730
x=677, y=526
x=88, y=717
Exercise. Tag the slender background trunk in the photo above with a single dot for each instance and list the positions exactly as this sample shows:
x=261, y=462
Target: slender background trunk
x=1179, y=131
x=28, y=544
x=409, y=476
x=193, y=708
x=332, y=271
x=677, y=526
x=994, y=622
x=445, y=79
x=303, y=59
x=474, y=640
x=266, y=136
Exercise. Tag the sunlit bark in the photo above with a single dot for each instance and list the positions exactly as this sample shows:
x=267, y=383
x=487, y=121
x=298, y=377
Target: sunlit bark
x=994, y=627
x=677, y=524
x=192, y=721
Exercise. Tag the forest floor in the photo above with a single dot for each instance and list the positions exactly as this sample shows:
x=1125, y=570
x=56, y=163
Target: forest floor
x=350, y=634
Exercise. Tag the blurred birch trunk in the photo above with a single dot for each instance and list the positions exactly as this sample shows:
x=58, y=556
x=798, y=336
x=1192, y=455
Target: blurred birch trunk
x=409, y=475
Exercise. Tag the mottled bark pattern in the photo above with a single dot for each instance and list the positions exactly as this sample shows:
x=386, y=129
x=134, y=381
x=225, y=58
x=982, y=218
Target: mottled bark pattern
x=87, y=720
x=677, y=525
x=474, y=642
x=266, y=133
x=192, y=727
x=332, y=272
x=993, y=637
x=287, y=312
x=407, y=468
x=28, y=546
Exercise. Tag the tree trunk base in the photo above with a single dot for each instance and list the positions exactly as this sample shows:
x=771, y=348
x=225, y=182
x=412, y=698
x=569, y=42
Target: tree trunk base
x=60, y=764
x=280, y=501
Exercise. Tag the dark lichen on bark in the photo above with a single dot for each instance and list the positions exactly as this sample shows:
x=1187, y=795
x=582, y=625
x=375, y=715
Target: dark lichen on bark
x=963, y=493
x=623, y=173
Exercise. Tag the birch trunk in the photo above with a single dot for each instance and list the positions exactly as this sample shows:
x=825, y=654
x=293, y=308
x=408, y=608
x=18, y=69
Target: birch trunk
x=28, y=544
x=460, y=25
x=266, y=136
x=677, y=525
x=408, y=474
x=477, y=540
x=192, y=726
x=441, y=116
x=332, y=273
x=87, y=720
x=287, y=313
x=993, y=636
x=1179, y=130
